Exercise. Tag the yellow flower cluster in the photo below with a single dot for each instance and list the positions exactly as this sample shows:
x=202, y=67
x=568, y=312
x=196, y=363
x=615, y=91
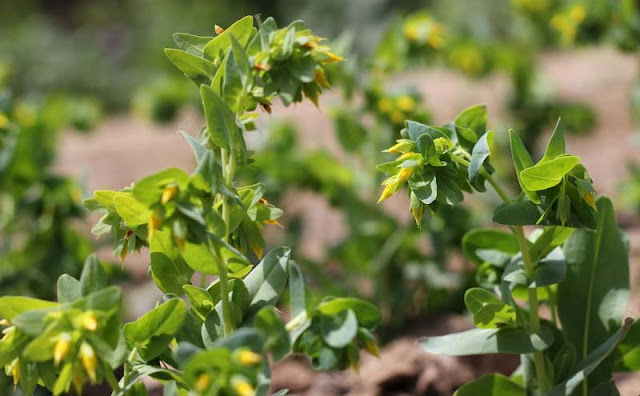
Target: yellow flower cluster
x=422, y=31
x=566, y=23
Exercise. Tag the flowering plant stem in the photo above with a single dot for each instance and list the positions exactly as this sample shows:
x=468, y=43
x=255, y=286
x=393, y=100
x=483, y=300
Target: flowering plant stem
x=518, y=232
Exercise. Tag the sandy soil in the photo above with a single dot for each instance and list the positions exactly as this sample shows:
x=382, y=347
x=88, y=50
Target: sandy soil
x=123, y=149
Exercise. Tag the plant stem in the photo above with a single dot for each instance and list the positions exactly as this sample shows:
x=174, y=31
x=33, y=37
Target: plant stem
x=112, y=380
x=518, y=231
x=228, y=169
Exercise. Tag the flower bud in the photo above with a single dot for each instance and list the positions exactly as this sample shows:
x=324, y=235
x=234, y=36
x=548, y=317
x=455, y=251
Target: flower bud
x=154, y=222
x=89, y=322
x=88, y=360
x=248, y=358
x=402, y=146
x=202, y=383
x=61, y=348
x=243, y=388
x=168, y=193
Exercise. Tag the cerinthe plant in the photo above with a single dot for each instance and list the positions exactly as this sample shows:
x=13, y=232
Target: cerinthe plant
x=575, y=262
x=216, y=344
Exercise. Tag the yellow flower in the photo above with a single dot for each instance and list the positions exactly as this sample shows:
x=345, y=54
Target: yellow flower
x=202, y=383
x=577, y=13
x=78, y=382
x=249, y=358
x=61, y=348
x=321, y=79
x=417, y=215
x=404, y=175
x=4, y=121
x=13, y=369
x=406, y=103
x=88, y=360
x=89, y=322
x=168, y=193
x=436, y=36
x=154, y=222
x=385, y=105
x=243, y=388
x=411, y=32
x=402, y=146
x=388, y=191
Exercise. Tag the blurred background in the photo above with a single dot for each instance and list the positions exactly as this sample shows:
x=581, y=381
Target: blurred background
x=89, y=101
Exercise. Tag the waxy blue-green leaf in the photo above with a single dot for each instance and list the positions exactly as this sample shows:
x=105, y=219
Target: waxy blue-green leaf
x=221, y=122
x=277, y=337
x=487, y=309
x=582, y=375
x=93, y=277
x=339, y=330
x=555, y=147
x=199, y=150
x=480, y=153
x=594, y=294
x=235, y=82
x=68, y=289
x=241, y=30
x=484, y=341
x=424, y=185
x=491, y=385
x=521, y=161
x=297, y=289
x=545, y=175
x=518, y=213
x=470, y=125
x=199, y=70
x=489, y=245
x=367, y=314
x=548, y=271
x=151, y=333
x=267, y=280
x=191, y=43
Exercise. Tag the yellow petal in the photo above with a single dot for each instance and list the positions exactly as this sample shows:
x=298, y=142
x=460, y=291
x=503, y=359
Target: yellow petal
x=88, y=360
x=243, y=388
x=61, y=348
x=249, y=358
x=202, y=383
x=168, y=193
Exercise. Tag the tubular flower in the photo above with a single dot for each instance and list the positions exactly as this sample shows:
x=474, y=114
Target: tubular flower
x=249, y=358
x=243, y=388
x=13, y=369
x=168, y=193
x=88, y=360
x=402, y=146
x=89, y=322
x=154, y=223
x=61, y=348
x=202, y=383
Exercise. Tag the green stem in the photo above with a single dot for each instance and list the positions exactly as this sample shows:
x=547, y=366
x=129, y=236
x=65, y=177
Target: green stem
x=518, y=231
x=111, y=379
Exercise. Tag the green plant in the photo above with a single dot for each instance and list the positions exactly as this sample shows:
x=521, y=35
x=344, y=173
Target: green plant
x=576, y=263
x=200, y=222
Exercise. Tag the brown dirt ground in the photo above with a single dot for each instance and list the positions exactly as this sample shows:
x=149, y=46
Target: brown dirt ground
x=123, y=149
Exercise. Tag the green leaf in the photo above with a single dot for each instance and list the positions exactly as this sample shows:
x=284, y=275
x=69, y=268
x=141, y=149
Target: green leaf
x=93, y=277
x=485, y=341
x=267, y=280
x=491, y=385
x=594, y=294
x=191, y=43
x=339, y=330
x=582, y=374
x=200, y=300
x=470, y=125
x=132, y=211
x=555, y=147
x=489, y=245
x=548, y=271
x=545, y=175
x=234, y=82
x=297, y=289
x=199, y=150
x=148, y=190
x=13, y=306
x=549, y=239
x=303, y=68
x=241, y=30
x=628, y=357
x=199, y=70
x=605, y=389
x=278, y=341
x=367, y=314
x=68, y=289
x=221, y=122
x=168, y=269
x=153, y=331
x=518, y=213
x=480, y=153
x=488, y=311
x=521, y=161
x=423, y=184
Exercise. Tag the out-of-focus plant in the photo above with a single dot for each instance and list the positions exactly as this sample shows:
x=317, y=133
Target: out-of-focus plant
x=38, y=241
x=576, y=263
x=216, y=340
